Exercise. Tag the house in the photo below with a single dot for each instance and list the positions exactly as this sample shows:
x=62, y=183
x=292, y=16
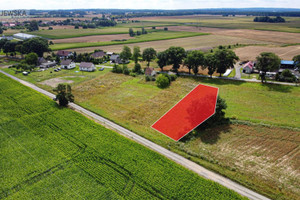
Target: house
x=41, y=60
x=98, y=54
x=287, y=64
x=67, y=64
x=64, y=54
x=149, y=71
x=87, y=66
x=115, y=59
x=248, y=67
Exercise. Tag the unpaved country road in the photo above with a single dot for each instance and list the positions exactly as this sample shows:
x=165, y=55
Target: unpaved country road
x=161, y=150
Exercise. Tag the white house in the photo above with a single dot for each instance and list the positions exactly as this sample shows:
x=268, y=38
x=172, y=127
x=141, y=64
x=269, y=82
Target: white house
x=23, y=36
x=67, y=64
x=87, y=66
x=248, y=68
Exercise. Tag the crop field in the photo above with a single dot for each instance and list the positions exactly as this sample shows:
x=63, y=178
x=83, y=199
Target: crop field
x=266, y=36
x=49, y=152
x=203, y=42
x=152, y=36
x=238, y=22
x=93, y=38
x=70, y=33
x=251, y=52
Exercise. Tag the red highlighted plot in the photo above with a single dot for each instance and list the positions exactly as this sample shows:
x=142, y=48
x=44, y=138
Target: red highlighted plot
x=188, y=113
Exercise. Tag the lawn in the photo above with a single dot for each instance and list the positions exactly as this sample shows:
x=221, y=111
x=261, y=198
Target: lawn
x=49, y=152
x=151, y=36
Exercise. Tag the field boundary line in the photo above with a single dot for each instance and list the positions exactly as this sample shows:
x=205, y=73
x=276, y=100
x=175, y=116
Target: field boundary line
x=203, y=172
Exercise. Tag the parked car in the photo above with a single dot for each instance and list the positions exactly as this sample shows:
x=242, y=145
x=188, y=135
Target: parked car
x=25, y=73
x=101, y=69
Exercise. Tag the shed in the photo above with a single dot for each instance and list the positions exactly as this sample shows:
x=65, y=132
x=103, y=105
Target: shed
x=287, y=64
x=248, y=67
x=98, y=54
x=149, y=71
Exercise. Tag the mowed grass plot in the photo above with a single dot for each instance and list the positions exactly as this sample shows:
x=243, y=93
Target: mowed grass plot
x=49, y=152
x=152, y=36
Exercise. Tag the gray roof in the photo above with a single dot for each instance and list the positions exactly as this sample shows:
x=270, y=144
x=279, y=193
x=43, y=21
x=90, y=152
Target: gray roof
x=66, y=62
x=98, y=54
x=86, y=64
x=114, y=57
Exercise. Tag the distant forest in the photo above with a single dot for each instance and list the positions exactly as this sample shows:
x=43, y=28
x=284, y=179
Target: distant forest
x=269, y=19
x=119, y=13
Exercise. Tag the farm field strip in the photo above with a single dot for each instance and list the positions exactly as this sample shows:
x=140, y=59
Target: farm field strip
x=154, y=36
x=197, y=42
x=238, y=22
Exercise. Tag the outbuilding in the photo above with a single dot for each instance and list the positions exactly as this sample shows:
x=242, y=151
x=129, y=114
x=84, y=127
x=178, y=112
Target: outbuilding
x=248, y=67
x=87, y=66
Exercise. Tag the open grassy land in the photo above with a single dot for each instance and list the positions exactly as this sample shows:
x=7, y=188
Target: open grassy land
x=238, y=22
x=239, y=151
x=52, y=153
x=152, y=36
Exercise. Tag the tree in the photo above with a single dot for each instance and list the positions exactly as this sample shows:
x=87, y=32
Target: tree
x=131, y=32
x=19, y=48
x=136, y=54
x=267, y=61
x=33, y=26
x=76, y=26
x=137, y=68
x=162, y=81
x=57, y=60
x=36, y=45
x=193, y=60
x=64, y=94
x=148, y=55
x=31, y=59
x=2, y=43
x=225, y=59
x=9, y=47
x=162, y=60
x=125, y=54
x=296, y=59
x=286, y=75
x=210, y=62
x=175, y=56
x=1, y=30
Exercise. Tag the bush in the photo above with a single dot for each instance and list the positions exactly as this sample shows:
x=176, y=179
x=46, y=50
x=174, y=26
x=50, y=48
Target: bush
x=166, y=28
x=126, y=70
x=50, y=28
x=162, y=81
x=117, y=69
x=147, y=78
x=137, y=68
x=153, y=79
x=172, y=77
x=153, y=27
x=132, y=74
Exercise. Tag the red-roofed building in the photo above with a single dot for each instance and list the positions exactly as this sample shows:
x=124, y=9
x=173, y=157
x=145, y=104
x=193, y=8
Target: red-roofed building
x=248, y=67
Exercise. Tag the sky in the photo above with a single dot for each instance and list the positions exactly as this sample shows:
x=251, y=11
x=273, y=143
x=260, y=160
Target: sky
x=145, y=4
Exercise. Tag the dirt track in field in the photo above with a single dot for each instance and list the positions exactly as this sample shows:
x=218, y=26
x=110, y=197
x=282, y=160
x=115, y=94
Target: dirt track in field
x=94, y=38
x=267, y=36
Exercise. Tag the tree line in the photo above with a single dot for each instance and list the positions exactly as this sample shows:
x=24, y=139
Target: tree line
x=268, y=19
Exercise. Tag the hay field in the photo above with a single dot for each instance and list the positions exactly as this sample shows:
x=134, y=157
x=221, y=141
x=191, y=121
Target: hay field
x=94, y=38
x=238, y=22
x=265, y=36
x=251, y=52
x=197, y=42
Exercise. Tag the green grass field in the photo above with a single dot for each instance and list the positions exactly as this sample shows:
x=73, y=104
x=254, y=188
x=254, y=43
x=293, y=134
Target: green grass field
x=238, y=22
x=49, y=152
x=152, y=36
